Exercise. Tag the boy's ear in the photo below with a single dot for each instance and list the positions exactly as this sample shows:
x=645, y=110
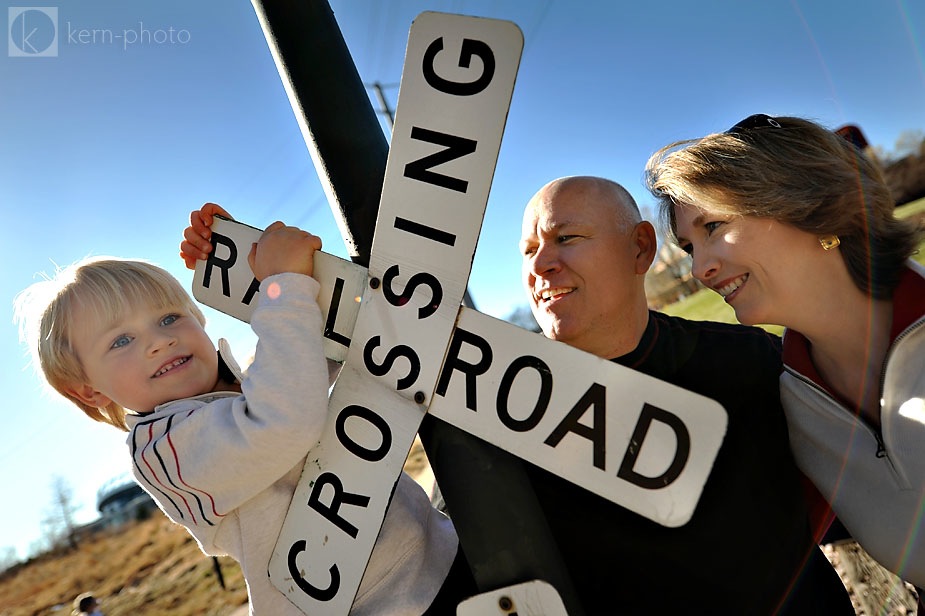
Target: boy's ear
x=89, y=396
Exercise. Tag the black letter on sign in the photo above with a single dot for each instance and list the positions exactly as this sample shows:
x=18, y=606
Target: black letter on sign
x=470, y=370
x=469, y=48
x=402, y=350
x=223, y=265
x=595, y=396
x=319, y=594
x=329, y=332
x=425, y=231
x=339, y=498
x=542, y=402
x=370, y=455
x=683, y=451
x=456, y=147
x=436, y=291
x=251, y=292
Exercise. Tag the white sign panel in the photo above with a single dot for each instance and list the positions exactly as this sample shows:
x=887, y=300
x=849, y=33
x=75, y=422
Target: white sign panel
x=456, y=87
x=485, y=352
x=225, y=282
x=535, y=598
x=640, y=442
x=455, y=91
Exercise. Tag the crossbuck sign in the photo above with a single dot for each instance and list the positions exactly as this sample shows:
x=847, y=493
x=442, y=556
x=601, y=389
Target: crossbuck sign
x=409, y=348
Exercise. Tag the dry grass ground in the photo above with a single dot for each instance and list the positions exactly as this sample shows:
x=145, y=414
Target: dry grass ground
x=874, y=590
x=148, y=567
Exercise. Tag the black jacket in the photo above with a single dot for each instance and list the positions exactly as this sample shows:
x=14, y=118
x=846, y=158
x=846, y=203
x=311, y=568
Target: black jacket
x=749, y=540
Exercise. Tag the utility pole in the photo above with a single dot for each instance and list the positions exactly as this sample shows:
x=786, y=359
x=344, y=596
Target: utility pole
x=389, y=113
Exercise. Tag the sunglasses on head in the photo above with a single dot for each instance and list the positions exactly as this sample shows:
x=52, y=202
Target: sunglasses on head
x=851, y=134
x=752, y=122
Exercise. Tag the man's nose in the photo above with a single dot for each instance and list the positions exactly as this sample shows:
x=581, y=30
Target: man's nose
x=545, y=259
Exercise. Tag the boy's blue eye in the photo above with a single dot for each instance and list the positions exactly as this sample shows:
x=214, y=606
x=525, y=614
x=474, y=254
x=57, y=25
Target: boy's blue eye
x=120, y=342
x=170, y=319
x=712, y=226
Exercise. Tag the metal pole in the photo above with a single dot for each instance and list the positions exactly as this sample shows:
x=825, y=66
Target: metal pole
x=333, y=111
x=498, y=518
x=502, y=529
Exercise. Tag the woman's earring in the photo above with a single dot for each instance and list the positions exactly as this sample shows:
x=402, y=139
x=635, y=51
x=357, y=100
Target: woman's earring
x=829, y=242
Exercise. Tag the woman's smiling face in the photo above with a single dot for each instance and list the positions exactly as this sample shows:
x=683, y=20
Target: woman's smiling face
x=760, y=266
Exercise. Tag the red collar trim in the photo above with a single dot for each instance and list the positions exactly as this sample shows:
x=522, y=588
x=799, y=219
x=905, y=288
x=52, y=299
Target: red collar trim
x=908, y=301
x=796, y=356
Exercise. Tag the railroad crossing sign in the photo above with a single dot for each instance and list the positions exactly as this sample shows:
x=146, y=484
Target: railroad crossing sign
x=409, y=348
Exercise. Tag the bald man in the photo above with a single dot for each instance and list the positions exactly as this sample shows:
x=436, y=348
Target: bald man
x=748, y=548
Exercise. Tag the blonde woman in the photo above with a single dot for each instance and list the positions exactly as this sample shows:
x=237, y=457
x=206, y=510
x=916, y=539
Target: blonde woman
x=794, y=226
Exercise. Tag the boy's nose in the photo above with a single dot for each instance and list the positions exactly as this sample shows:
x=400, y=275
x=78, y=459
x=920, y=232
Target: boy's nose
x=161, y=342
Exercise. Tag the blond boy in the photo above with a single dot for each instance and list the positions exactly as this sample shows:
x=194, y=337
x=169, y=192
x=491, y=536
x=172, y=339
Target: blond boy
x=219, y=450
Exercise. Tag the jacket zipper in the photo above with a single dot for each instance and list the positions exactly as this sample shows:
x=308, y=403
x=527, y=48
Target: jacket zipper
x=881, y=449
x=889, y=352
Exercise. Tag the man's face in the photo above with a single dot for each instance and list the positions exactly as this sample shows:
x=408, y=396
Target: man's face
x=147, y=357
x=580, y=268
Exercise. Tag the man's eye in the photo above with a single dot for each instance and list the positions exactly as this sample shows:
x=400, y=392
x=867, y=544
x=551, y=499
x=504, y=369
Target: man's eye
x=120, y=342
x=566, y=238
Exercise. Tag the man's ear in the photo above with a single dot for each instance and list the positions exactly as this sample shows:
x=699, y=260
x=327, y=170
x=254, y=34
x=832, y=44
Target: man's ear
x=646, y=246
x=89, y=396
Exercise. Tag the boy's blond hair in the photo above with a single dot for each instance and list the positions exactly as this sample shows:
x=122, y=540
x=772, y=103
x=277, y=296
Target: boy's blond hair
x=107, y=287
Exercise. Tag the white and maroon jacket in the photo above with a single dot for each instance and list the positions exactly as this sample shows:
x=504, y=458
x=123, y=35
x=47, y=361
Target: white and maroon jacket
x=874, y=480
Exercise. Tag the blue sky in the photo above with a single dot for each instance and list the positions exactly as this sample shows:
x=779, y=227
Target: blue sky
x=106, y=147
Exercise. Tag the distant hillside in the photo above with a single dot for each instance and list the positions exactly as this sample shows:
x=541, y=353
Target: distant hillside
x=153, y=567
x=906, y=177
x=149, y=567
